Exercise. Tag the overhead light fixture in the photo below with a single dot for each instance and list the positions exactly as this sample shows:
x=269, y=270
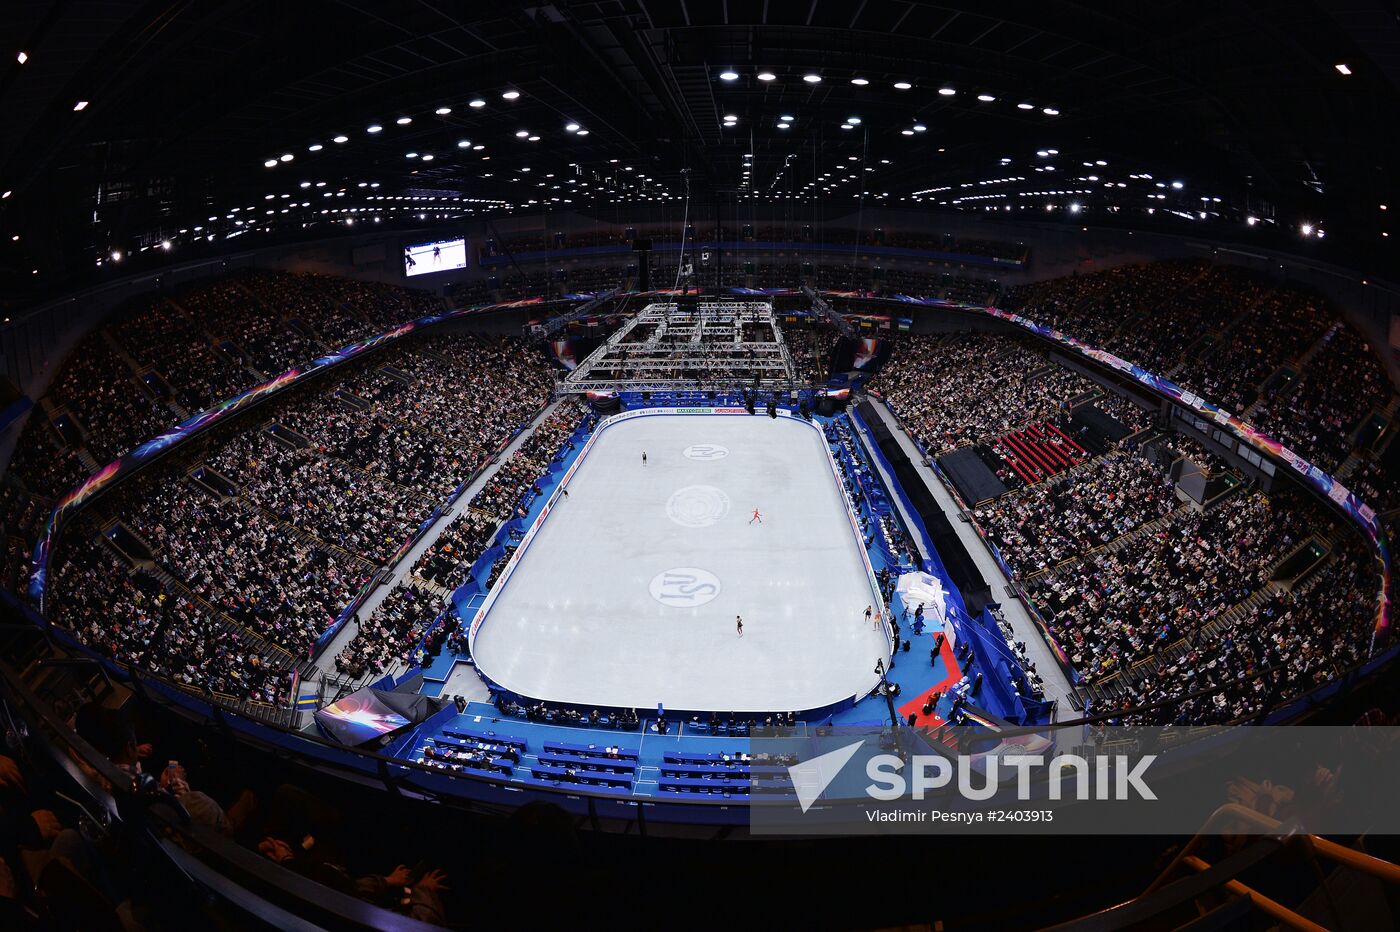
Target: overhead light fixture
x=812, y=78
x=270, y=163
x=946, y=91
x=510, y=95
x=1023, y=105
x=443, y=111
x=583, y=132
x=847, y=126
x=1306, y=229
x=1074, y=208
x=410, y=155
x=533, y=138
x=859, y=82
x=919, y=127
x=317, y=147
x=477, y=104
x=22, y=57
x=117, y=256
x=906, y=132
x=766, y=76
x=165, y=244
x=464, y=144
x=854, y=121
x=902, y=85
x=1343, y=69
x=373, y=128
x=1050, y=111
x=986, y=98
x=571, y=127
x=285, y=157
x=404, y=121
x=1178, y=185
x=784, y=126
x=80, y=105
x=1251, y=221
x=521, y=134
x=729, y=75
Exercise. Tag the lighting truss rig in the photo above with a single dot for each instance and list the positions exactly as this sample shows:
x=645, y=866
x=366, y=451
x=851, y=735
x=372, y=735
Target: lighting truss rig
x=706, y=345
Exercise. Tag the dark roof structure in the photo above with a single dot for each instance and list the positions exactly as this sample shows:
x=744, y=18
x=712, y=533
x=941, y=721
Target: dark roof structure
x=131, y=124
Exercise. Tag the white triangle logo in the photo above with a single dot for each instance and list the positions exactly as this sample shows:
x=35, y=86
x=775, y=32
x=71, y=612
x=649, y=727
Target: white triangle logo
x=811, y=778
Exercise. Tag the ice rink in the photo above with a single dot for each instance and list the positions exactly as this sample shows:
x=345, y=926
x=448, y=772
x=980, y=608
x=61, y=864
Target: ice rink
x=627, y=594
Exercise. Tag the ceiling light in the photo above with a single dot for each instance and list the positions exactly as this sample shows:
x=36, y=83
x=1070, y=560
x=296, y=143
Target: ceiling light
x=1306, y=230
x=428, y=158
x=583, y=132
x=1025, y=106
x=766, y=76
x=986, y=98
x=730, y=118
x=477, y=104
x=571, y=127
x=117, y=256
x=341, y=139
x=859, y=82
x=22, y=57
x=1343, y=68
x=906, y=132
x=464, y=144
x=270, y=163
x=478, y=147
x=165, y=244
x=812, y=78
x=729, y=75
x=534, y=139
x=1074, y=208
x=521, y=134
x=1050, y=111
x=315, y=148
x=404, y=121
x=784, y=126
x=373, y=128
x=410, y=155
x=855, y=121
x=919, y=127
x=285, y=157
x=902, y=85
x=1251, y=221
x=510, y=95
x=5, y=195
x=946, y=91
x=847, y=126
x=80, y=105
x=1178, y=185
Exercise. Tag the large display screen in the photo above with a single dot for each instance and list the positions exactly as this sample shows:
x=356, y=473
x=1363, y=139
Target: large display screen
x=442, y=256
x=359, y=717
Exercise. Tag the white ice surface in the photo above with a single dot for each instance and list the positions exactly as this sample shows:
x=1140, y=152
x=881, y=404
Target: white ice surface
x=577, y=622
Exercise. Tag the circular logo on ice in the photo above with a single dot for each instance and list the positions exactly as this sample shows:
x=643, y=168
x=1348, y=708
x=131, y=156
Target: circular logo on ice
x=697, y=506
x=706, y=451
x=685, y=587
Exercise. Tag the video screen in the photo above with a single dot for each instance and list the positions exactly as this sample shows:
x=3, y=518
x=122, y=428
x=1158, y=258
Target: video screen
x=359, y=717
x=442, y=256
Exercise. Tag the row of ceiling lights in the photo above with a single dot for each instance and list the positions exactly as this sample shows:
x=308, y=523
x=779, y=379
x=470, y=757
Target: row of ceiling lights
x=946, y=90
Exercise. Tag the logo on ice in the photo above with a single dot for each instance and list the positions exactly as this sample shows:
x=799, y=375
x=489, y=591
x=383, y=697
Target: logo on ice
x=1067, y=776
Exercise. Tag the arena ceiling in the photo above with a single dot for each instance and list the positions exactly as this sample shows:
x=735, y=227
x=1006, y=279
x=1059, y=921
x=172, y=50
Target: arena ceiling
x=134, y=124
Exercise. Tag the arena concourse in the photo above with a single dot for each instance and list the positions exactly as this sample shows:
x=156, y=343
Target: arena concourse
x=438, y=451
